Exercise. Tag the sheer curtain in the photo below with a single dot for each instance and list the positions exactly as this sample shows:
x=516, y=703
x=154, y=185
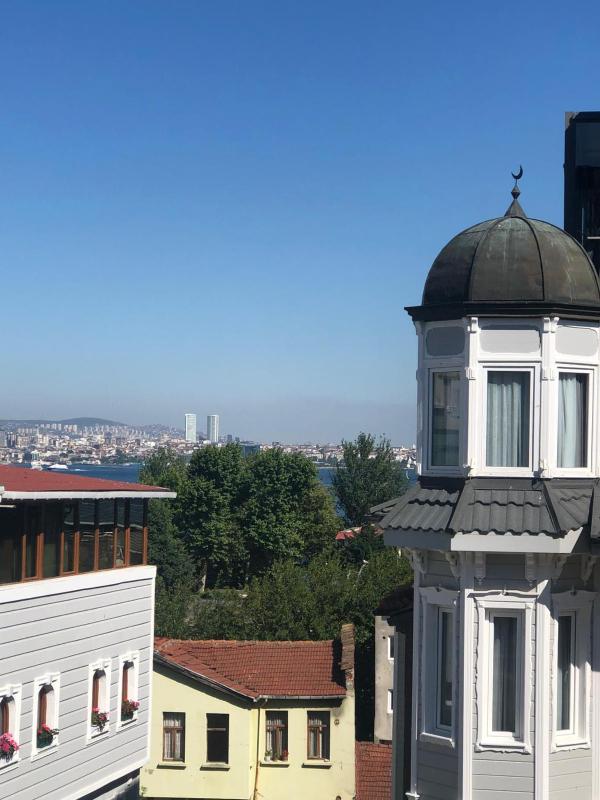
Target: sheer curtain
x=504, y=675
x=572, y=423
x=508, y=419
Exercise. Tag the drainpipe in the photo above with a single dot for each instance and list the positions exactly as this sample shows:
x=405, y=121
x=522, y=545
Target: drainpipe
x=261, y=702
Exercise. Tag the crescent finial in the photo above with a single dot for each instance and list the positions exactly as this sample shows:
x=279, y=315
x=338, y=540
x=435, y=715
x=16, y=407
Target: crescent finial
x=519, y=174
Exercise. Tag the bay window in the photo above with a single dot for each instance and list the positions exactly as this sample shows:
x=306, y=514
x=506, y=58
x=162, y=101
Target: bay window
x=571, y=652
x=508, y=432
x=572, y=420
x=503, y=672
x=438, y=665
x=445, y=419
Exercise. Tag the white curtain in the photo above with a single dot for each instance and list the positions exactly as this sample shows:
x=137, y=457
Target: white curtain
x=572, y=392
x=508, y=419
x=505, y=674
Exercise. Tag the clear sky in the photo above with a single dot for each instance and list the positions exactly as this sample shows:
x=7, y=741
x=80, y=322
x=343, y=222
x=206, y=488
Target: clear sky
x=224, y=206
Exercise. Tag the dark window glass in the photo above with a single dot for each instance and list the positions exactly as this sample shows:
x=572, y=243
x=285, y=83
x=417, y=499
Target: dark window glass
x=52, y=531
x=34, y=526
x=445, y=664
x=69, y=538
x=445, y=422
x=87, y=525
x=565, y=664
x=136, y=531
x=504, y=689
x=10, y=545
x=120, y=519
x=217, y=738
x=106, y=524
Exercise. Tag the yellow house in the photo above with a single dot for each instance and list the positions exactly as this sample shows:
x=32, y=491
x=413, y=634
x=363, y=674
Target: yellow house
x=252, y=720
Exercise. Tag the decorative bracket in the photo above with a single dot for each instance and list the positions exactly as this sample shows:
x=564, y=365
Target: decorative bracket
x=588, y=563
x=418, y=560
x=530, y=568
x=452, y=559
x=480, y=567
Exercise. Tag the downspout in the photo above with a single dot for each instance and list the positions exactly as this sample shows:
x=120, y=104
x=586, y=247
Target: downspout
x=263, y=701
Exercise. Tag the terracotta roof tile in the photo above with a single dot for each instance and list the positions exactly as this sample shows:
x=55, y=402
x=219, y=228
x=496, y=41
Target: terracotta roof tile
x=259, y=669
x=19, y=479
x=373, y=771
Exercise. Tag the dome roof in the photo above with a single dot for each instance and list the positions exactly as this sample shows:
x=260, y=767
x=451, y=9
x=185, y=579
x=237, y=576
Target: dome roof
x=512, y=265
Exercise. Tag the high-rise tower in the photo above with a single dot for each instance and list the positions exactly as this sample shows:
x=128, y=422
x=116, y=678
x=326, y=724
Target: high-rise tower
x=212, y=428
x=190, y=428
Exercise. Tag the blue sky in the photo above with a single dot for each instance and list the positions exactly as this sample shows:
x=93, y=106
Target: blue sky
x=224, y=207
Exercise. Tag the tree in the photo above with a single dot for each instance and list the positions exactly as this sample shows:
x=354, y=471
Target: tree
x=165, y=547
x=369, y=475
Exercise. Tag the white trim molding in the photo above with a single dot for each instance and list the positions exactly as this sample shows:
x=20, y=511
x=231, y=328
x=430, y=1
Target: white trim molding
x=435, y=601
x=577, y=605
x=12, y=693
x=413, y=794
x=132, y=657
x=53, y=715
x=102, y=665
x=521, y=607
x=466, y=657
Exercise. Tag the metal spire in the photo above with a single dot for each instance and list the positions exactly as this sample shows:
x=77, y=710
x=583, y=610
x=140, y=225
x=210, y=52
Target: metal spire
x=514, y=209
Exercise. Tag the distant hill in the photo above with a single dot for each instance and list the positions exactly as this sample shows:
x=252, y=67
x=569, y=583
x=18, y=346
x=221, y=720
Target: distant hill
x=83, y=421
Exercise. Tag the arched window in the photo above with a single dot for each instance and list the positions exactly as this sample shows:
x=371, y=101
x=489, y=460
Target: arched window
x=44, y=696
x=97, y=683
x=5, y=720
x=127, y=680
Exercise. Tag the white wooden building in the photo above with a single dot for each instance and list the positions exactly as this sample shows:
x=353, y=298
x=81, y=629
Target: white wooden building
x=76, y=629
x=503, y=526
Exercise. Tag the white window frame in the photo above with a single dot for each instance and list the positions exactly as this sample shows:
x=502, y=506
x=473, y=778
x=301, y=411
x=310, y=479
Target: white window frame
x=578, y=604
x=533, y=369
x=434, y=600
x=588, y=470
x=14, y=694
x=442, y=368
x=391, y=643
x=521, y=606
x=104, y=665
x=53, y=680
x=390, y=701
x=134, y=658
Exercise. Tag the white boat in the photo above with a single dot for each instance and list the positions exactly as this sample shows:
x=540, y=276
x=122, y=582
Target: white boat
x=57, y=466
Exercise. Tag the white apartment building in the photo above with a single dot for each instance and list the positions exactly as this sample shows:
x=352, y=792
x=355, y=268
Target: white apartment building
x=190, y=428
x=212, y=428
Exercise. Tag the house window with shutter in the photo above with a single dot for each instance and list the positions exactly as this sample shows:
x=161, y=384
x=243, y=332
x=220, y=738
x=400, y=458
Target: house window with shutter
x=173, y=736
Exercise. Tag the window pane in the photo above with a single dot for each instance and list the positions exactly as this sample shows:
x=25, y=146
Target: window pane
x=106, y=523
x=69, y=538
x=173, y=736
x=10, y=546
x=508, y=419
x=52, y=529
x=445, y=423
x=572, y=419
x=565, y=661
x=318, y=734
x=445, y=634
x=87, y=525
x=34, y=526
x=504, y=696
x=136, y=533
x=217, y=738
x=277, y=733
x=120, y=518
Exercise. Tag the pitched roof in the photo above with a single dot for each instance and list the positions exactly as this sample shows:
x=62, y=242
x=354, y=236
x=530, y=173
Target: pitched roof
x=20, y=483
x=373, y=771
x=484, y=505
x=260, y=669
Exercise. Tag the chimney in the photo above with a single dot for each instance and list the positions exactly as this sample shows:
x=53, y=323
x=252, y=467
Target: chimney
x=347, y=658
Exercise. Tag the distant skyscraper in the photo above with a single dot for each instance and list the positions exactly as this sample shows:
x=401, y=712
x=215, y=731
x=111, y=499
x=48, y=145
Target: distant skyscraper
x=212, y=428
x=190, y=427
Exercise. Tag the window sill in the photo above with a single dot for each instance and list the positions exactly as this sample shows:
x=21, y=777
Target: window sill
x=274, y=763
x=5, y=763
x=503, y=746
x=437, y=738
x=171, y=765
x=124, y=723
x=317, y=763
x=94, y=733
x=570, y=743
x=219, y=766
x=45, y=751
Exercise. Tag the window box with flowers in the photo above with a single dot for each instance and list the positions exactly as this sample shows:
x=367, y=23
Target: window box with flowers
x=99, y=719
x=8, y=747
x=45, y=736
x=129, y=709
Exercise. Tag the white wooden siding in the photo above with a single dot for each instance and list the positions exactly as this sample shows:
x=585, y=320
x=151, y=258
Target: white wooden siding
x=64, y=633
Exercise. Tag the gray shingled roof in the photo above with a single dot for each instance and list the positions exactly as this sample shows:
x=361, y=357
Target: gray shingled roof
x=552, y=507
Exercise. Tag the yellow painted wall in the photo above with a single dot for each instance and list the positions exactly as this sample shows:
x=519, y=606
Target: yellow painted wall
x=297, y=780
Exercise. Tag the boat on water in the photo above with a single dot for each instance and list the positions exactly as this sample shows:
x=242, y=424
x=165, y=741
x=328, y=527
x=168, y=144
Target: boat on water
x=57, y=467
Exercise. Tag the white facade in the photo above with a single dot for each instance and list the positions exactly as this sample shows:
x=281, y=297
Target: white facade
x=212, y=428
x=190, y=428
x=56, y=633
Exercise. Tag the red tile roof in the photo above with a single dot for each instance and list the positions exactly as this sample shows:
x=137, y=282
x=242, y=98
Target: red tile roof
x=261, y=669
x=373, y=771
x=18, y=480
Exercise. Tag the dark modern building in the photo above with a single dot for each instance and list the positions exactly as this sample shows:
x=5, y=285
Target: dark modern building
x=582, y=180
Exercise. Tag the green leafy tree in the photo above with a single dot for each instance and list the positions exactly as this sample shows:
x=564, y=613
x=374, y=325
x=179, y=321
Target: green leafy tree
x=368, y=475
x=164, y=468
